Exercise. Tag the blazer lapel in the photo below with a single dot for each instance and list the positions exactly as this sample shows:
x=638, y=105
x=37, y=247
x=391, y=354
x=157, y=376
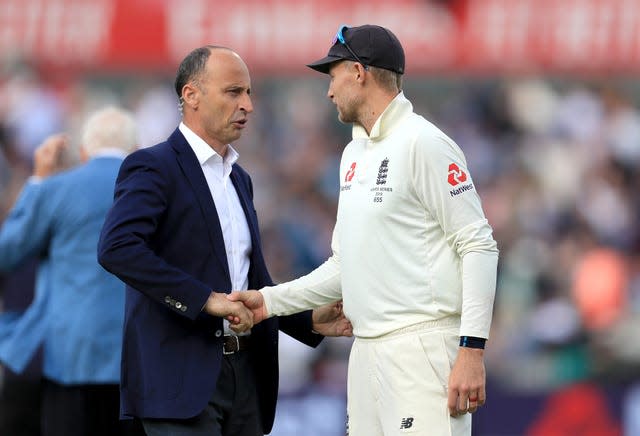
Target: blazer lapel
x=193, y=173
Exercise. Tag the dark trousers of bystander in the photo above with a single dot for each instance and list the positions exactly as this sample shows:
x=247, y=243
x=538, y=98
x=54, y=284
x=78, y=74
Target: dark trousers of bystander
x=20, y=398
x=84, y=410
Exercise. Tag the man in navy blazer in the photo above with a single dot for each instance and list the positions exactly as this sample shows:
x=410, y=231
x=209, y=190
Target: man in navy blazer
x=182, y=233
x=78, y=309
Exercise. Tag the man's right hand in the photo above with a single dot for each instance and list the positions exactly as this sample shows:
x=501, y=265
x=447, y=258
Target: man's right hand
x=47, y=159
x=253, y=300
x=236, y=313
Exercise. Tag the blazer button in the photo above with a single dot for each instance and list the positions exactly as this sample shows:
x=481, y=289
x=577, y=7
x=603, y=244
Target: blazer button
x=167, y=299
x=183, y=308
x=178, y=305
x=218, y=333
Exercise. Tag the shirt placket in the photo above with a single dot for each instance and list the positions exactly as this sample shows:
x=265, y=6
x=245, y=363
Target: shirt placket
x=233, y=242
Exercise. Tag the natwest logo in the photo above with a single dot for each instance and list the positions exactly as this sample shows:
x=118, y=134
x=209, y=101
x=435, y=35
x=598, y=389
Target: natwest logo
x=350, y=173
x=456, y=175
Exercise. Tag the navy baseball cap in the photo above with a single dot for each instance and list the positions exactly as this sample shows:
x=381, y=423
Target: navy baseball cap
x=368, y=44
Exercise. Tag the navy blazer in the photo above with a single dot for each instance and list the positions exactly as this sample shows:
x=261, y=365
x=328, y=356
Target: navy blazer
x=162, y=237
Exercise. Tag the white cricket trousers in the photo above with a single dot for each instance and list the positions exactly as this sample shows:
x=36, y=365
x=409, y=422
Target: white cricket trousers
x=397, y=383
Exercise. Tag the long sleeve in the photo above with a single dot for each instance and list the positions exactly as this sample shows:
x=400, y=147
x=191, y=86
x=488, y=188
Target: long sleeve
x=24, y=233
x=444, y=184
x=320, y=286
x=478, y=292
x=129, y=238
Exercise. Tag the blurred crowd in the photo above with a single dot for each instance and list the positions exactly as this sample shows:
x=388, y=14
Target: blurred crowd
x=556, y=163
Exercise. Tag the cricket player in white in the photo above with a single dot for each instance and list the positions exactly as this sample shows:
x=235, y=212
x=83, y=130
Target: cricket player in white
x=414, y=260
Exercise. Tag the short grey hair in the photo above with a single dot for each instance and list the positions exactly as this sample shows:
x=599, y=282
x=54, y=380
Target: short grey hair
x=192, y=68
x=110, y=127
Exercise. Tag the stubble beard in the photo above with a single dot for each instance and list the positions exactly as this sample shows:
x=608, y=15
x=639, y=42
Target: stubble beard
x=348, y=113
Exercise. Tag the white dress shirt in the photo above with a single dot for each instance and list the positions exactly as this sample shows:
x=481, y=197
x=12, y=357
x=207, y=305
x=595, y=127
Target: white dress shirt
x=235, y=230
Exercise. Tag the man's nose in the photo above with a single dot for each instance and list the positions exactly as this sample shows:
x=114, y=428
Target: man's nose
x=246, y=105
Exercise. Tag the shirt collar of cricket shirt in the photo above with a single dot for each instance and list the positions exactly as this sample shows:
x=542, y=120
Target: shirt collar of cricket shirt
x=398, y=109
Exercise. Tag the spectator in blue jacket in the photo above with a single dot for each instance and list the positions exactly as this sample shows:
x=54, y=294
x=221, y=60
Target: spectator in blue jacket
x=78, y=309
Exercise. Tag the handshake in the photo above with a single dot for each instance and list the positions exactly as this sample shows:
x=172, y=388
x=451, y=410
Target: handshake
x=244, y=309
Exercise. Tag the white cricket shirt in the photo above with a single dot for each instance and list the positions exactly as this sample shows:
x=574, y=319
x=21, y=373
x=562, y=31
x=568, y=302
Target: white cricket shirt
x=411, y=242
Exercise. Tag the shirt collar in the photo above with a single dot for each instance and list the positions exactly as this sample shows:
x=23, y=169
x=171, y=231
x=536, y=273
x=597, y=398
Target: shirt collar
x=203, y=151
x=397, y=109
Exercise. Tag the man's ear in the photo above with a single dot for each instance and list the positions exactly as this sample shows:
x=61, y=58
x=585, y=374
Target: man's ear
x=360, y=71
x=191, y=95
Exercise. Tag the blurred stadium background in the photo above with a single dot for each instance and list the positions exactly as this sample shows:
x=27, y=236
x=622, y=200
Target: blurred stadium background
x=542, y=96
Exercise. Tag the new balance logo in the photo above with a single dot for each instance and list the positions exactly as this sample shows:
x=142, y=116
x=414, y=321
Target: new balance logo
x=406, y=423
